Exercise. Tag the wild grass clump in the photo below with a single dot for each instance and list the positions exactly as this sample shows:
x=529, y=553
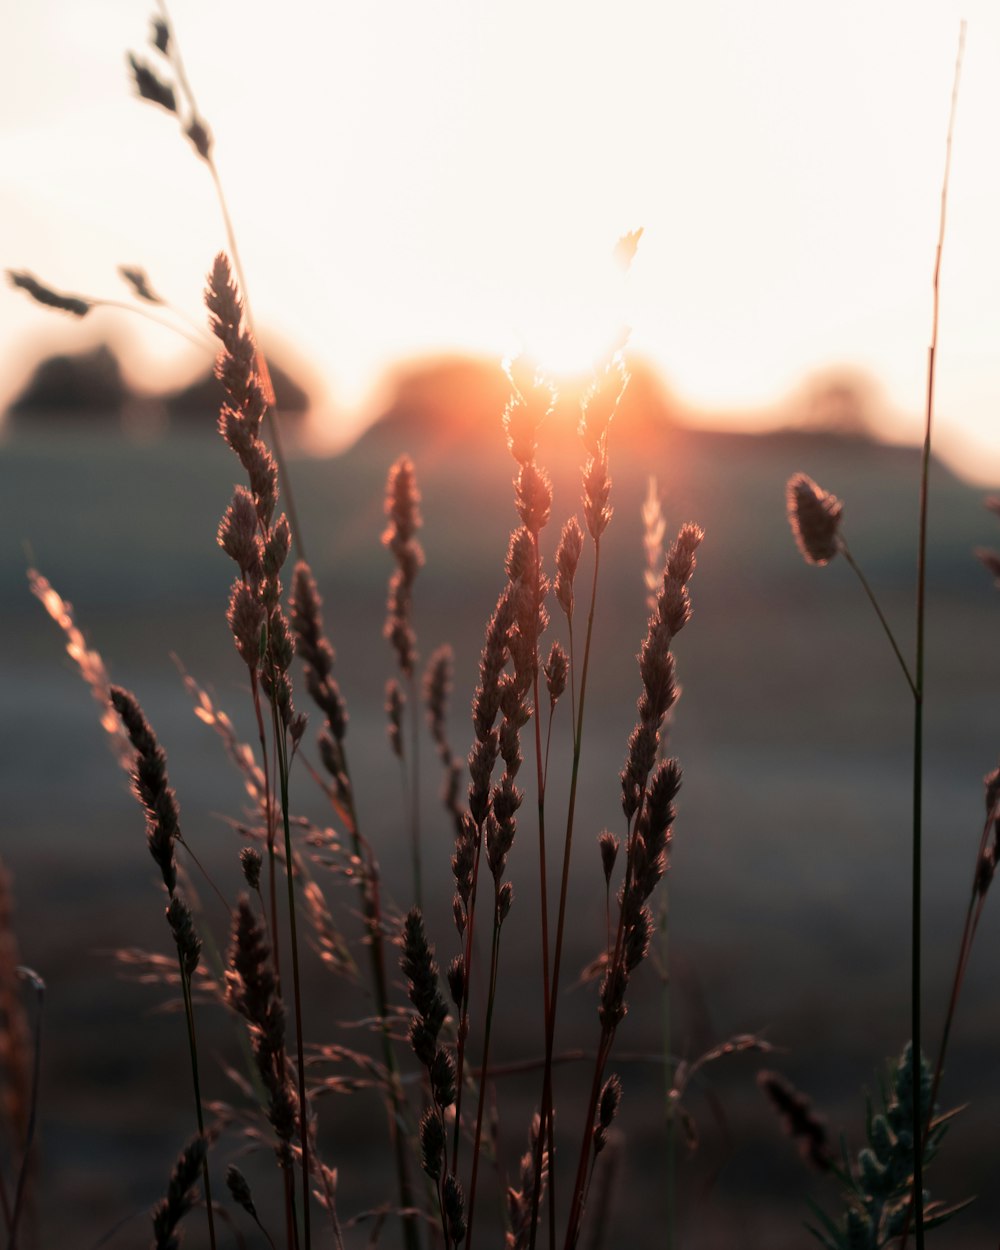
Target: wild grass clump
x=428, y=1043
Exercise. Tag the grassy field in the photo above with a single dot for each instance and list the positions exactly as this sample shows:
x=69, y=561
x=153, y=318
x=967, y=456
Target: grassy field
x=789, y=884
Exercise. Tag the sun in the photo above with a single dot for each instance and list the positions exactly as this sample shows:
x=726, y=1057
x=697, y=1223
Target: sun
x=576, y=316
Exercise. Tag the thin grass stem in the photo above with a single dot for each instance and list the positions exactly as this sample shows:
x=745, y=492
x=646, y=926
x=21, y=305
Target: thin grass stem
x=414, y=789
x=38, y=985
x=196, y=1081
x=550, y=1023
x=371, y=906
x=201, y=341
x=484, y=1067
x=918, y=712
x=845, y=551
x=282, y=757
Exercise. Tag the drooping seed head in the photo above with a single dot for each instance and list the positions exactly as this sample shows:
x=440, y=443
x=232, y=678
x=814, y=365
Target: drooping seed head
x=42, y=294
x=182, y=1193
x=239, y=1190
x=150, y=86
x=159, y=35
x=149, y=781
x=250, y=862
x=801, y=1122
x=138, y=280
x=814, y=516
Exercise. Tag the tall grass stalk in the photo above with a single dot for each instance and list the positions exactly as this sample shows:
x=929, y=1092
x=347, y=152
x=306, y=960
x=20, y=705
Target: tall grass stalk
x=594, y=431
x=281, y=743
x=918, y=675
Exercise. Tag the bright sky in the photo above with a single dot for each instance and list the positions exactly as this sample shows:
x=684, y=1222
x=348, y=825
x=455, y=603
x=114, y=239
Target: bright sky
x=408, y=177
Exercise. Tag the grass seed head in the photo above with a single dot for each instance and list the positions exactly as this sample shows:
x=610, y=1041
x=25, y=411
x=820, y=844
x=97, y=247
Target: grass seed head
x=814, y=516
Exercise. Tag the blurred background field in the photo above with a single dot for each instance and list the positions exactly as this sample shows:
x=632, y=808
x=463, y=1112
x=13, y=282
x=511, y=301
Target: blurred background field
x=789, y=887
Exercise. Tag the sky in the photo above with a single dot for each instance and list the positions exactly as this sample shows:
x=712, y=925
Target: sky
x=453, y=175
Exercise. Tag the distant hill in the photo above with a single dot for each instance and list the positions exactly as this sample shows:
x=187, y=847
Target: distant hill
x=198, y=404
x=86, y=387
x=457, y=401
x=89, y=387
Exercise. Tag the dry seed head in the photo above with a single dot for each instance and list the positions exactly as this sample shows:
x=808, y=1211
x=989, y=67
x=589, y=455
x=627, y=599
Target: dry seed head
x=42, y=294
x=532, y=399
x=607, y=1109
x=454, y=1208
x=316, y=652
x=250, y=862
x=159, y=35
x=138, y=281
x=600, y=403
x=149, y=781
x=182, y=1193
x=432, y=1142
x=237, y=535
x=402, y=499
x=150, y=86
x=246, y=617
x=609, y=845
x=801, y=1122
x=201, y=137
x=401, y=507
x=596, y=491
x=814, y=516
x=505, y=898
x=88, y=661
x=437, y=688
x=556, y=671
x=239, y=1190
x=395, y=702
x=991, y=562
x=185, y=935
x=520, y=1201
x=567, y=560
x=533, y=496
x=419, y=968
x=456, y=979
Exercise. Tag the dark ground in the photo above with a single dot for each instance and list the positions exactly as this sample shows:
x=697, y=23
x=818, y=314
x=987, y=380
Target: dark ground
x=789, y=887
